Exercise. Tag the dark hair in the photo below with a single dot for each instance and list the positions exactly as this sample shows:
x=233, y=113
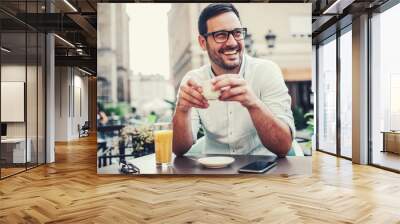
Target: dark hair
x=212, y=10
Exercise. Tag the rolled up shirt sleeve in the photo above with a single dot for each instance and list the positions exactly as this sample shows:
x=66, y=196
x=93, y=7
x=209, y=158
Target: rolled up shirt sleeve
x=274, y=94
x=195, y=118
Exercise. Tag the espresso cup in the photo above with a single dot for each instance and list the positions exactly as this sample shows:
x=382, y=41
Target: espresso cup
x=208, y=91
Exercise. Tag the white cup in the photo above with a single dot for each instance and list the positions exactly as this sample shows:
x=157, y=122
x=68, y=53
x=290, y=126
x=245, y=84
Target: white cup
x=208, y=91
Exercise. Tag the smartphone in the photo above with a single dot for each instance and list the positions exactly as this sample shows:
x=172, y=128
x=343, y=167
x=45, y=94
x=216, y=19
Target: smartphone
x=258, y=166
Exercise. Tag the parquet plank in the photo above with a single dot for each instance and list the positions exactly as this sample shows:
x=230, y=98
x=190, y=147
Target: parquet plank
x=70, y=191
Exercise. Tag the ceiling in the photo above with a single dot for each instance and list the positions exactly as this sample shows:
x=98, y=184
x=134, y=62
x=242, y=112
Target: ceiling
x=332, y=15
x=75, y=21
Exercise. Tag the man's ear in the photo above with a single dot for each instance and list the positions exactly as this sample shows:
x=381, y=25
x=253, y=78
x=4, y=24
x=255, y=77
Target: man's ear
x=203, y=42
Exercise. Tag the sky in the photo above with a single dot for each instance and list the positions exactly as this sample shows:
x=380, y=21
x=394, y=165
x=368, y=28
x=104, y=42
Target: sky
x=149, y=53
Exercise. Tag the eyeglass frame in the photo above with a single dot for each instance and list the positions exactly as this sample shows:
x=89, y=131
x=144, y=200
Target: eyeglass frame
x=229, y=33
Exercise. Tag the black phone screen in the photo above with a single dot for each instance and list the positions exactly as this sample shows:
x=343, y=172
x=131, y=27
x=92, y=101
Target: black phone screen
x=258, y=166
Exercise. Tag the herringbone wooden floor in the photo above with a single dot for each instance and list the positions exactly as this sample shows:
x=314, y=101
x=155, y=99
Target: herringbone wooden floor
x=70, y=191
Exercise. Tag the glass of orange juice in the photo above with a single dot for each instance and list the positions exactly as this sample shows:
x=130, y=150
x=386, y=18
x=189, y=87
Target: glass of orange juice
x=163, y=143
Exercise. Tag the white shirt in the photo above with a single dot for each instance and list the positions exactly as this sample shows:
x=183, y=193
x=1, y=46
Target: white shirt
x=228, y=126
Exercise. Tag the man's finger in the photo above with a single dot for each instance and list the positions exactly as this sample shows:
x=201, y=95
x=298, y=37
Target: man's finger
x=237, y=98
x=193, y=83
x=232, y=82
x=190, y=99
x=233, y=92
x=186, y=104
x=190, y=104
x=192, y=92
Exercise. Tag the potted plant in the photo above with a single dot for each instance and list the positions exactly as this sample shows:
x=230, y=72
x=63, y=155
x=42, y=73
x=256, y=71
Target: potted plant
x=139, y=138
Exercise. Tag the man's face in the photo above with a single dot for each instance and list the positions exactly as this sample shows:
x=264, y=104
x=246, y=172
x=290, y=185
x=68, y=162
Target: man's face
x=227, y=55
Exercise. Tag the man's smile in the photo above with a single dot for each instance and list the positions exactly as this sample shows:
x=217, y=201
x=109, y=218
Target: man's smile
x=230, y=53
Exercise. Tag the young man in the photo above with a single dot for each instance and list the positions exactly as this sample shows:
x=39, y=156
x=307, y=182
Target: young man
x=252, y=115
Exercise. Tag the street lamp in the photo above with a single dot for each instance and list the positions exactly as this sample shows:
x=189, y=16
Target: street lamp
x=270, y=38
x=248, y=43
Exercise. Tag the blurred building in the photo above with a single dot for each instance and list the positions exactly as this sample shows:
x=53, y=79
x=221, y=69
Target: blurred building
x=291, y=48
x=150, y=89
x=185, y=54
x=113, y=53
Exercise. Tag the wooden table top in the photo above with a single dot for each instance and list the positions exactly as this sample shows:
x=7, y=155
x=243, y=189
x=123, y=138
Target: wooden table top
x=189, y=165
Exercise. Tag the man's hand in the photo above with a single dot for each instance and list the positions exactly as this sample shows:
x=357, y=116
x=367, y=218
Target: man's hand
x=274, y=134
x=235, y=88
x=190, y=95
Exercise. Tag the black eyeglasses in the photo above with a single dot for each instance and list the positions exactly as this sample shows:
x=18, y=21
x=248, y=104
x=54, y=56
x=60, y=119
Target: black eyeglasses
x=223, y=35
x=128, y=168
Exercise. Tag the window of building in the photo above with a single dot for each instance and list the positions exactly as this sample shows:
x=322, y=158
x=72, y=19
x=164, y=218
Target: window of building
x=327, y=96
x=346, y=94
x=385, y=89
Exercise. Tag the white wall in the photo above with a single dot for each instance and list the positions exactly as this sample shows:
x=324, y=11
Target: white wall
x=71, y=87
x=12, y=73
x=79, y=117
x=33, y=126
x=61, y=103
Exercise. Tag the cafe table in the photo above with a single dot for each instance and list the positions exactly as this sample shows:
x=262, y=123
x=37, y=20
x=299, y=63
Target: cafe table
x=187, y=165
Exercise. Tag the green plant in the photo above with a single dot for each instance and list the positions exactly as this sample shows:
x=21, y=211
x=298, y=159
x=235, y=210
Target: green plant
x=139, y=136
x=122, y=109
x=310, y=126
x=109, y=109
x=299, y=118
x=310, y=121
x=119, y=109
x=172, y=103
